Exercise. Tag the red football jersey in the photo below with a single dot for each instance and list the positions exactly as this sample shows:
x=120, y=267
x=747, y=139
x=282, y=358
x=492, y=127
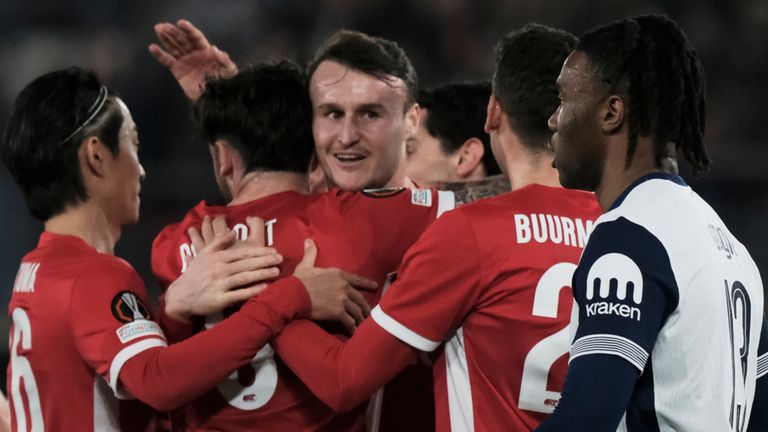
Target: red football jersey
x=489, y=283
x=365, y=233
x=77, y=317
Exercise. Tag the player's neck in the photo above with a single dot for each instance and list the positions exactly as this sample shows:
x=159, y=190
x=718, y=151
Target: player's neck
x=259, y=184
x=531, y=168
x=617, y=177
x=88, y=222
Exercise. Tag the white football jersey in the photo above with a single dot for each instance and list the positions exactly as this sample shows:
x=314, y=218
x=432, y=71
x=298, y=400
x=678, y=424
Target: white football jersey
x=664, y=284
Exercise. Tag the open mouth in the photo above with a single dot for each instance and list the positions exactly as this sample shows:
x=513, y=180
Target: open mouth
x=348, y=157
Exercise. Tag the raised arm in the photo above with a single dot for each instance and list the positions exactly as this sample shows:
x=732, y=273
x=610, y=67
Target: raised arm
x=188, y=55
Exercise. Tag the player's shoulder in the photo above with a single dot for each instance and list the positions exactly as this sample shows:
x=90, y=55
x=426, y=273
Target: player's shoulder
x=192, y=217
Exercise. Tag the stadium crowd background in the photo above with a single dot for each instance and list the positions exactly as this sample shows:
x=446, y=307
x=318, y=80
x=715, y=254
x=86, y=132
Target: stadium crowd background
x=447, y=41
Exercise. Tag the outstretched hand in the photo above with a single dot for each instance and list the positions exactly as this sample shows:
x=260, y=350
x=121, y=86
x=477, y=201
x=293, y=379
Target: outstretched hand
x=189, y=56
x=224, y=271
x=333, y=292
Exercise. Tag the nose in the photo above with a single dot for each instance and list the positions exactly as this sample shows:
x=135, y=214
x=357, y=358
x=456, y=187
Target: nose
x=350, y=133
x=552, y=122
x=142, y=173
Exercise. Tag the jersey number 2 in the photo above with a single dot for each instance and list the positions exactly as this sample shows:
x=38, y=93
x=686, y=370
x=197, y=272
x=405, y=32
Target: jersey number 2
x=534, y=395
x=21, y=370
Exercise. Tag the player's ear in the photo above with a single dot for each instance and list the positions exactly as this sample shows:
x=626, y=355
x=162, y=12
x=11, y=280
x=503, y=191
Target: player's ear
x=493, y=115
x=412, y=120
x=94, y=156
x=470, y=157
x=223, y=157
x=612, y=114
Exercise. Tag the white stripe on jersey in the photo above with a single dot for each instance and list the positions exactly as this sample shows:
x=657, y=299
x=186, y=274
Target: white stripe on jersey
x=105, y=407
x=402, y=332
x=446, y=200
x=762, y=365
x=459, y=390
x=126, y=354
x=610, y=344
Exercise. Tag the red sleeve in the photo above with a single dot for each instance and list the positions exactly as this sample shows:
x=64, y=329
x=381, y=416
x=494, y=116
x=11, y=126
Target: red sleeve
x=342, y=374
x=175, y=331
x=438, y=283
x=170, y=377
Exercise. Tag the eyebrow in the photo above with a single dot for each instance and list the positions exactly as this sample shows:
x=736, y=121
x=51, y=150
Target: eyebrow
x=372, y=106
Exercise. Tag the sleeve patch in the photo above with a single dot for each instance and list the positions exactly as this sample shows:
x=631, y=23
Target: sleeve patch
x=137, y=329
x=614, y=287
x=127, y=308
x=421, y=197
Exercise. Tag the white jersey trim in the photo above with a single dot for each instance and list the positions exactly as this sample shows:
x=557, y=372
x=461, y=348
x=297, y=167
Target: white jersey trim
x=402, y=332
x=610, y=344
x=762, y=365
x=125, y=355
x=460, y=406
x=446, y=200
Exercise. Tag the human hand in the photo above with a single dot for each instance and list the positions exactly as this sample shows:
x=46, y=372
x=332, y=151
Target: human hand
x=333, y=292
x=224, y=272
x=189, y=56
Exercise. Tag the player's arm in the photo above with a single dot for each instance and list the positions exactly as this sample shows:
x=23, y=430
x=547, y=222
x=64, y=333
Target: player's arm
x=434, y=290
x=616, y=332
x=141, y=366
x=758, y=420
x=467, y=192
x=188, y=55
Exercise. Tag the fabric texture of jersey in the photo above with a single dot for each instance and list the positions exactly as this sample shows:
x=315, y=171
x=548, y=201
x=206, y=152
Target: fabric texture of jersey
x=664, y=285
x=363, y=233
x=487, y=289
x=77, y=317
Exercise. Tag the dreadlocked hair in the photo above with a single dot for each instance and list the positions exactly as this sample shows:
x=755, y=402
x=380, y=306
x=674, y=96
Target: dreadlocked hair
x=650, y=60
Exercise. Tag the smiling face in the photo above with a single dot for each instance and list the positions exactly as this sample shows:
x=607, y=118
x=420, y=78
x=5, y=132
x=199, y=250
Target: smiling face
x=360, y=125
x=578, y=142
x=126, y=174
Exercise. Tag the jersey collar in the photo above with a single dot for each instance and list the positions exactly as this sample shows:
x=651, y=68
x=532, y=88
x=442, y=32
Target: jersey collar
x=654, y=175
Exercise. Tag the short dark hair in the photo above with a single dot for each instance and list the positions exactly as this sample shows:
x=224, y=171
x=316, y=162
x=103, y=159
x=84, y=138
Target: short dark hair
x=528, y=62
x=264, y=112
x=38, y=144
x=649, y=60
x=456, y=113
x=375, y=56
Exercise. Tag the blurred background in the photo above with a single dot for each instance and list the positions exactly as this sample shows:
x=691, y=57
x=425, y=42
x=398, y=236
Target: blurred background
x=447, y=41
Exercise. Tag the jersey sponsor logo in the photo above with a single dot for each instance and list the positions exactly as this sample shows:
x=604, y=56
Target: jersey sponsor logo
x=382, y=192
x=127, y=307
x=137, y=329
x=25, y=278
x=421, y=197
x=612, y=277
x=556, y=229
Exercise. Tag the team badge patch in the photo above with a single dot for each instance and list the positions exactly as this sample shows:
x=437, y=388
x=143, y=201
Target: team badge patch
x=421, y=197
x=382, y=192
x=126, y=307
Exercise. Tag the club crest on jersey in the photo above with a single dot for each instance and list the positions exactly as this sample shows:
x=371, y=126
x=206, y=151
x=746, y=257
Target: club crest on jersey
x=613, y=277
x=127, y=307
x=422, y=197
x=382, y=192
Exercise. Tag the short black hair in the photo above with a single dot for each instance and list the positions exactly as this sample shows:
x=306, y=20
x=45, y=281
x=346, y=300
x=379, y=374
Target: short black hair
x=264, y=112
x=38, y=146
x=456, y=113
x=375, y=56
x=528, y=62
x=649, y=60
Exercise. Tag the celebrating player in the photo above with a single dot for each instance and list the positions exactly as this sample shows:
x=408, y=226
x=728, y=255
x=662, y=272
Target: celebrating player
x=258, y=124
x=82, y=334
x=670, y=303
x=450, y=144
x=485, y=288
